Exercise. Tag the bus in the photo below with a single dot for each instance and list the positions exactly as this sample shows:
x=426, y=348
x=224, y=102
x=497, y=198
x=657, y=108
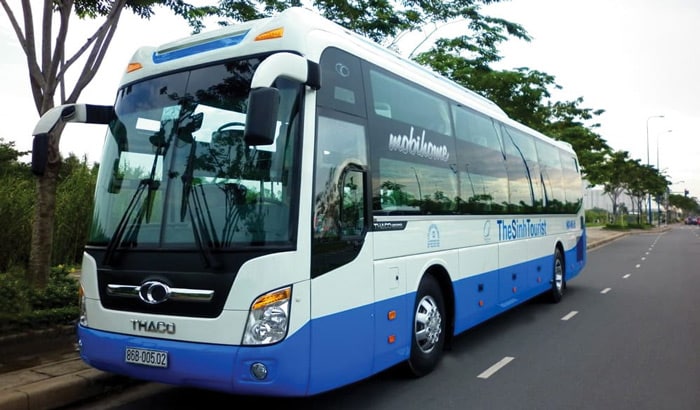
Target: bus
x=284, y=207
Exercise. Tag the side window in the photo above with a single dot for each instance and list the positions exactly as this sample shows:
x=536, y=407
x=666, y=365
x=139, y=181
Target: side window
x=413, y=148
x=339, y=191
x=339, y=144
x=405, y=187
x=475, y=128
x=572, y=182
x=551, y=175
x=480, y=162
x=520, y=175
x=403, y=101
x=342, y=89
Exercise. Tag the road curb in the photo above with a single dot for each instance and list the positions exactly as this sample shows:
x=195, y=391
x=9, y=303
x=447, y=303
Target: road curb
x=56, y=385
x=607, y=240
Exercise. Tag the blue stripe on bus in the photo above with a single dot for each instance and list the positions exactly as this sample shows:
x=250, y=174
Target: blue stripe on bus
x=203, y=365
x=199, y=48
x=328, y=352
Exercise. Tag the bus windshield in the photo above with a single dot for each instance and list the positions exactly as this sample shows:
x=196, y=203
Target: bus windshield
x=176, y=171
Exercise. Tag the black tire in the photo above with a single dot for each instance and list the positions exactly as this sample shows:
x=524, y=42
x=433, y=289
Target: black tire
x=558, y=280
x=428, y=330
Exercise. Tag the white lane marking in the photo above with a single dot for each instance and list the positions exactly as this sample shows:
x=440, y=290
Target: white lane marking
x=626, y=276
x=606, y=290
x=638, y=265
x=644, y=258
x=570, y=315
x=496, y=367
x=647, y=253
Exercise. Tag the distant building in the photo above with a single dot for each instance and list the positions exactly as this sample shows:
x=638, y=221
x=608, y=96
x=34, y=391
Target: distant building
x=596, y=198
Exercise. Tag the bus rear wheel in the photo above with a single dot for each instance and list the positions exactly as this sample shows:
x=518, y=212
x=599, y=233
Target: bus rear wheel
x=558, y=278
x=428, y=335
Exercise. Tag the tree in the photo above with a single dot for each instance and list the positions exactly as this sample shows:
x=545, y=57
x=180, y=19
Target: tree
x=16, y=205
x=383, y=21
x=524, y=95
x=48, y=65
x=612, y=176
x=688, y=205
x=635, y=182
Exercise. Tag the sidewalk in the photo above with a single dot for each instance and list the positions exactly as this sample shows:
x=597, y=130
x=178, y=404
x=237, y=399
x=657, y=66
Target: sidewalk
x=68, y=380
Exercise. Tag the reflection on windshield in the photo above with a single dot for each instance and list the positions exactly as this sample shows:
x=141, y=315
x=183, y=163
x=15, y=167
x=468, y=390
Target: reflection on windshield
x=177, y=172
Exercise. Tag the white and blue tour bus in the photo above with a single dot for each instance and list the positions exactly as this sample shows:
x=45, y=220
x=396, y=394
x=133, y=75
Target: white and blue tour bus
x=284, y=207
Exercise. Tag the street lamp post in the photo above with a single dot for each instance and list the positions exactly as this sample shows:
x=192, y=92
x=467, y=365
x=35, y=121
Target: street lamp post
x=668, y=204
x=658, y=167
x=648, y=164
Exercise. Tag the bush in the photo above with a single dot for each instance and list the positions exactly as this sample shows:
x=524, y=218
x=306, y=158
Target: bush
x=597, y=216
x=24, y=308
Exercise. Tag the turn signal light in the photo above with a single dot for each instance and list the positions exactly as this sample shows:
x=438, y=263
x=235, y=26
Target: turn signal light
x=268, y=35
x=133, y=67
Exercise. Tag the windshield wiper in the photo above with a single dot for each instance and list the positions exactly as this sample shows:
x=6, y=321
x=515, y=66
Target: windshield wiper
x=190, y=204
x=145, y=184
x=151, y=185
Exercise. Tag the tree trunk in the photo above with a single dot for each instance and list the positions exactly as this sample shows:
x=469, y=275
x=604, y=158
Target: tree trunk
x=44, y=215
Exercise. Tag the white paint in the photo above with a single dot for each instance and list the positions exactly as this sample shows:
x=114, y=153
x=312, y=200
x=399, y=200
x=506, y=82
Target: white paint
x=570, y=315
x=606, y=290
x=496, y=367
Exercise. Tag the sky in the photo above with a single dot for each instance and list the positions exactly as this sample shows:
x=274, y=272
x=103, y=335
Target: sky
x=635, y=59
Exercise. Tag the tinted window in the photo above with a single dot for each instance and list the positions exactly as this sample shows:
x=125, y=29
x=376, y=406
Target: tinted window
x=551, y=176
x=400, y=100
x=520, y=191
x=572, y=182
x=341, y=87
x=481, y=166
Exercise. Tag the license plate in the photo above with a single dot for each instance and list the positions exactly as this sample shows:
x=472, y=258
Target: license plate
x=146, y=357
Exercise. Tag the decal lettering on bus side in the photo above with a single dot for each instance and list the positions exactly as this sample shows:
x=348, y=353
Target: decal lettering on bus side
x=389, y=225
x=418, y=146
x=520, y=229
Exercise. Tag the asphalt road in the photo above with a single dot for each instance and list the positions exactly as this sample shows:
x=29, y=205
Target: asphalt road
x=626, y=336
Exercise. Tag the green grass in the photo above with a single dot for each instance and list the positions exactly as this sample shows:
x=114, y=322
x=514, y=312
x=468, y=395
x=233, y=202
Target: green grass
x=23, y=308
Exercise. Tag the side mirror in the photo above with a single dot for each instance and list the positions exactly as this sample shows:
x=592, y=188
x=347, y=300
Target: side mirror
x=40, y=153
x=261, y=117
x=90, y=114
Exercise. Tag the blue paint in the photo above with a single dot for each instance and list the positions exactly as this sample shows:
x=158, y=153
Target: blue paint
x=214, y=44
x=330, y=351
x=206, y=366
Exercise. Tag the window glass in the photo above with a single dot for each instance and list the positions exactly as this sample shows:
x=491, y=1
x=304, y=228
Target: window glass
x=551, y=176
x=402, y=101
x=520, y=191
x=178, y=173
x=339, y=144
x=482, y=172
x=414, y=188
x=475, y=128
x=572, y=182
x=342, y=88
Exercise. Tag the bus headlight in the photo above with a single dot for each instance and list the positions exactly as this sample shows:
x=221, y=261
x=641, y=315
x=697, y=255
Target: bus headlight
x=268, y=318
x=82, y=319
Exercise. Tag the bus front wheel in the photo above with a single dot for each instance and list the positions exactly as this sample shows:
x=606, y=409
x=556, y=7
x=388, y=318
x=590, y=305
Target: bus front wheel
x=428, y=335
x=558, y=278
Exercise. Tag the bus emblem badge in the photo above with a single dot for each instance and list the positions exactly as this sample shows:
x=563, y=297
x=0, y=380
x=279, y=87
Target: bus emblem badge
x=154, y=292
x=433, y=236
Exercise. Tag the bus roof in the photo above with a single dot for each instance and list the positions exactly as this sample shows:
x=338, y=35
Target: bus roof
x=303, y=31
